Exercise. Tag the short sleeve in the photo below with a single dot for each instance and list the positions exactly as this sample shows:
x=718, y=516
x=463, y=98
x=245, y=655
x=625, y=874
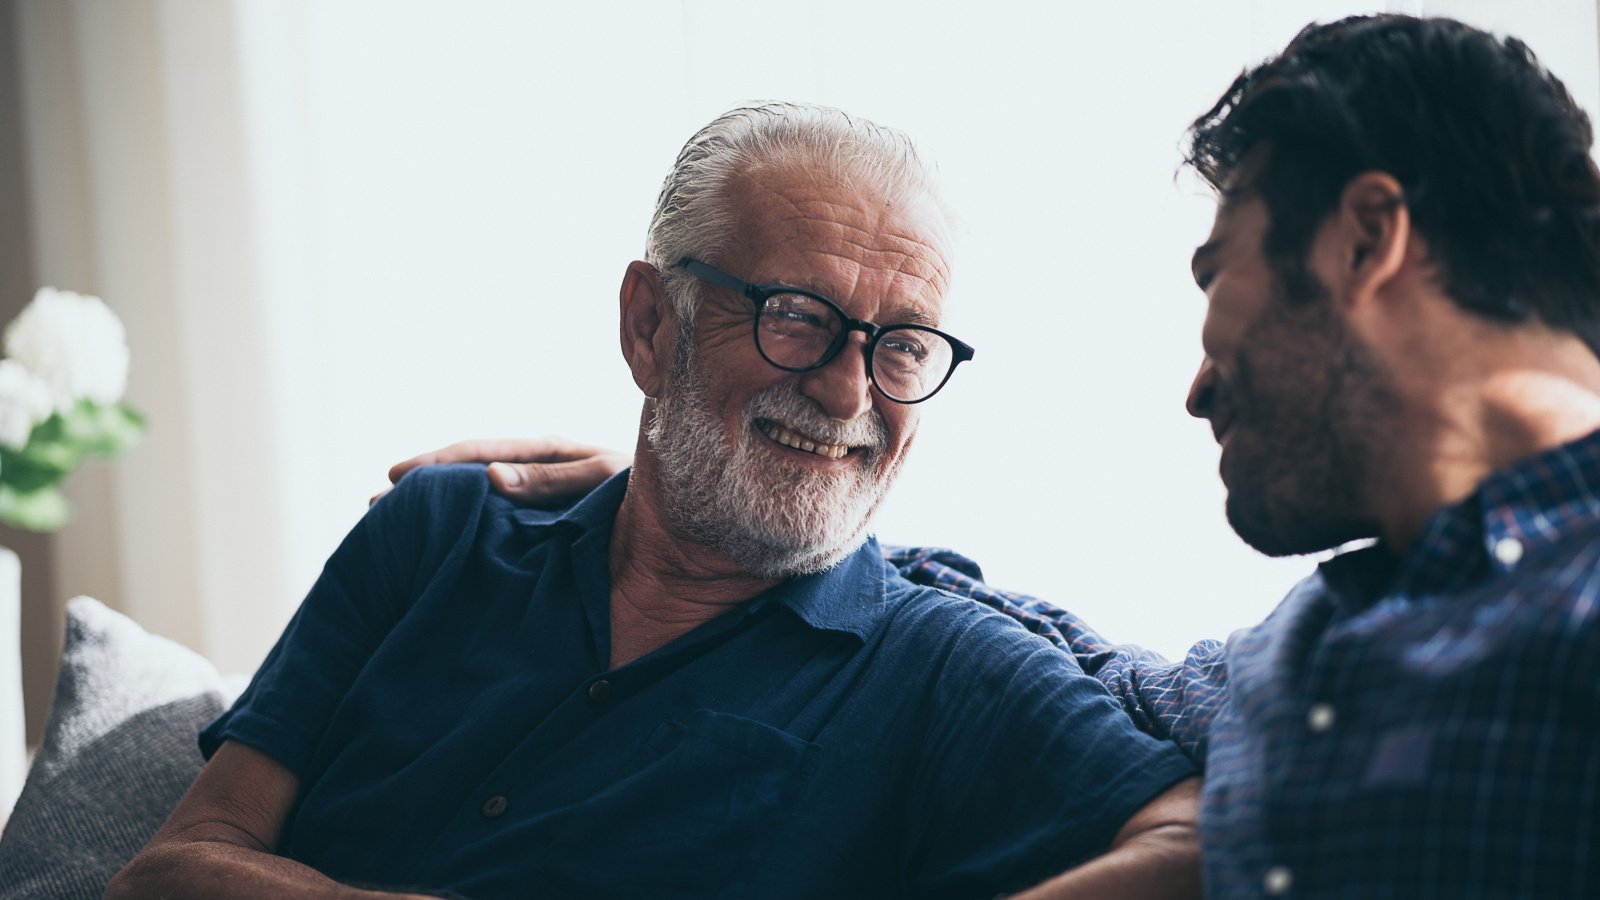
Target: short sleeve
x=1030, y=767
x=365, y=588
x=1175, y=701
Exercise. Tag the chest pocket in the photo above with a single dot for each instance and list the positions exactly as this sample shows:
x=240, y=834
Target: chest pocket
x=692, y=815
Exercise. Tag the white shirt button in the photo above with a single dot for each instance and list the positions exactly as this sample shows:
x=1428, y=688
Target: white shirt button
x=1508, y=551
x=1320, y=718
x=1278, y=881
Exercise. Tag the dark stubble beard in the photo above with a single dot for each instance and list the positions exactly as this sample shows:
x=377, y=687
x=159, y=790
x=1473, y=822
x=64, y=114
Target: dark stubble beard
x=772, y=518
x=1310, y=408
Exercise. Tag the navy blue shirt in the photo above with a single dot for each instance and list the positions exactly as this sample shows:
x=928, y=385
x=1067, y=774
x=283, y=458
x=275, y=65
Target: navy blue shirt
x=444, y=696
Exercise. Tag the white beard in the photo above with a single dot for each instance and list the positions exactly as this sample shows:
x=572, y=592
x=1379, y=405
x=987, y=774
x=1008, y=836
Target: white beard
x=773, y=518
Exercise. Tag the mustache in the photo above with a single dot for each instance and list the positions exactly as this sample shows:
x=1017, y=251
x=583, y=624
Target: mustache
x=784, y=404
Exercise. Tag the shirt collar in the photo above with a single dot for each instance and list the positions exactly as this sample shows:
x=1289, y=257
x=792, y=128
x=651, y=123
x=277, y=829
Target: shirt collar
x=1511, y=516
x=596, y=511
x=849, y=597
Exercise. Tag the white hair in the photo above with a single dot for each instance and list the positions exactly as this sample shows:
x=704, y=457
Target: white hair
x=694, y=215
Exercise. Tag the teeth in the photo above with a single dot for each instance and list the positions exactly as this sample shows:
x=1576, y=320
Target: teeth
x=799, y=442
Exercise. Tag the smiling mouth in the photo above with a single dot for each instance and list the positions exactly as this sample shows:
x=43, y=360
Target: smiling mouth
x=794, y=439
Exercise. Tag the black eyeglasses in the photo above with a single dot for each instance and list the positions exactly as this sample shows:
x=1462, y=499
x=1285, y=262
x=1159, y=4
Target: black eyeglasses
x=799, y=331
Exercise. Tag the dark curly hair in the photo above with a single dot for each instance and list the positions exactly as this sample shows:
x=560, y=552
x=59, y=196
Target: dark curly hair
x=1491, y=151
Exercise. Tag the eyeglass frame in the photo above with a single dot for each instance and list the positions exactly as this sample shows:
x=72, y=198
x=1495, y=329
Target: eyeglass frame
x=758, y=294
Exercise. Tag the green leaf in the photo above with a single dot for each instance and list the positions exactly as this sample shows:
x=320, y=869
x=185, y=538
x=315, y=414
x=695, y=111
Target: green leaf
x=22, y=474
x=44, y=461
x=101, y=430
x=44, y=509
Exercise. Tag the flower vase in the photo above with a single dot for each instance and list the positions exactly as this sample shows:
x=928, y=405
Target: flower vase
x=13, y=735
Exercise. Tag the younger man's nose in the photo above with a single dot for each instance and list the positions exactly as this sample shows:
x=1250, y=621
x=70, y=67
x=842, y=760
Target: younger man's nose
x=1202, y=392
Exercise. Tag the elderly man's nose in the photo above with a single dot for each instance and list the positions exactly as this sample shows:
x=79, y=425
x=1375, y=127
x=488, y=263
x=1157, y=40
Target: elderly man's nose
x=841, y=387
x=1202, y=392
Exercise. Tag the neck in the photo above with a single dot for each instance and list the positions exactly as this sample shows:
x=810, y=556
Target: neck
x=663, y=586
x=1493, y=405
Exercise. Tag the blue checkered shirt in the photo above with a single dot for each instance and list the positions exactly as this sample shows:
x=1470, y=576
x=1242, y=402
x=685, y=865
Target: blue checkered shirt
x=1427, y=727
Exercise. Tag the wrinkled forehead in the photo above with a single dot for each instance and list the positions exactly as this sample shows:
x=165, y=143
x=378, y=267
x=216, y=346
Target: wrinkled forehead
x=800, y=222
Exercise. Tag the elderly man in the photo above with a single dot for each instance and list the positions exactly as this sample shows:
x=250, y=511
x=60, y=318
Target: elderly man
x=702, y=679
x=1400, y=348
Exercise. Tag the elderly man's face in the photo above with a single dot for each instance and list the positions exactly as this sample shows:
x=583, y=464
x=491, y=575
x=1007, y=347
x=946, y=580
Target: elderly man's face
x=782, y=470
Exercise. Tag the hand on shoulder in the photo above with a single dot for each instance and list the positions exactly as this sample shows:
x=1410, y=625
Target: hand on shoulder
x=529, y=470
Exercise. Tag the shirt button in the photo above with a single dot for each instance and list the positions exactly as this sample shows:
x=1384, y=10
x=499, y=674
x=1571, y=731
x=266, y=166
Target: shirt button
x=1278, y=881
x=1508, y=551
x=494, y=807
x=1320, y=718
x=599, y=692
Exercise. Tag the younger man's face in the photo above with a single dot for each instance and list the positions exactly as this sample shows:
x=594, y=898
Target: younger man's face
x=1293, y=398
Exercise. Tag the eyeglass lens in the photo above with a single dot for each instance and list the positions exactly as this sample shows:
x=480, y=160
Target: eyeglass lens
x=797, y=331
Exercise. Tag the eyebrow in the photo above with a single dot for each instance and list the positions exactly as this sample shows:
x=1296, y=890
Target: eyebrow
x=916, y=317
x=904, y=316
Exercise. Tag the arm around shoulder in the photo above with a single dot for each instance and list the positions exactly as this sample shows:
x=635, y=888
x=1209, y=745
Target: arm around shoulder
x=221, y=839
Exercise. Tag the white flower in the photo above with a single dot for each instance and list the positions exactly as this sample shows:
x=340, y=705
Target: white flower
x=24, y=403
x=74, y=344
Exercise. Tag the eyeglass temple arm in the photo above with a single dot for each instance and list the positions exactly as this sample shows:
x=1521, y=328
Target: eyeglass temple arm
x=706, y=273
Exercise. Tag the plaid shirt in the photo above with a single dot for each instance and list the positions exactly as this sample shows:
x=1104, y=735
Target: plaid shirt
x=1421, y=728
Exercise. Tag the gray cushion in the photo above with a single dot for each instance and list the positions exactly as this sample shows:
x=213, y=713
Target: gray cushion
x=119, y=750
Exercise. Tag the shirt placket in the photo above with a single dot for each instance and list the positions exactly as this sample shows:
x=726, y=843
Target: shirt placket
x=497, y=799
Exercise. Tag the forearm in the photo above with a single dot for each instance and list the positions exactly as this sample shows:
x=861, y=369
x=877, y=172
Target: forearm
x=221, y=839
x=1159, y=864
x=1155, y=856
x=207, y=869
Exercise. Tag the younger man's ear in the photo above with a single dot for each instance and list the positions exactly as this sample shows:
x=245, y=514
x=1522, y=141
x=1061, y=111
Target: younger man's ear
x=649, y=326
x=1371, y=237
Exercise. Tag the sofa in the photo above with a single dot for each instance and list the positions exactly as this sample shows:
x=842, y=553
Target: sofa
x=118, y=752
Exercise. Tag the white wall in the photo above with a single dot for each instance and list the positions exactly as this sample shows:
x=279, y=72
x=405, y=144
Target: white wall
x=373, y=228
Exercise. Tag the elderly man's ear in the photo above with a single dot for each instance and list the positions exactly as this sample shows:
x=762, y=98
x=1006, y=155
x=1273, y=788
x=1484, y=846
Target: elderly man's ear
x=649, y=326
